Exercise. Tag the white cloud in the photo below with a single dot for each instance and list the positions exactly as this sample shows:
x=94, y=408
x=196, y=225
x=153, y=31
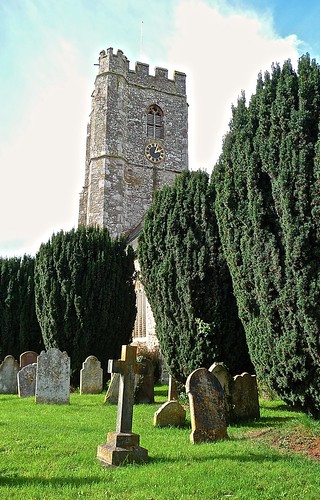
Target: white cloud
x=44, y=161
x=222, y=54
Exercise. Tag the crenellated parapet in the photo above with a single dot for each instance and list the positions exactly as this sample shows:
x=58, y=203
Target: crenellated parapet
x=118, y=63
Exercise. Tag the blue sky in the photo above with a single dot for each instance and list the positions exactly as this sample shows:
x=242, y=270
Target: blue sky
x=48, y=49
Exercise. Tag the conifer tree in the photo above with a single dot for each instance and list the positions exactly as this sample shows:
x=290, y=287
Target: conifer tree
x=187, y=280
x=85, y=298
x=268, y=207
x=19, y=327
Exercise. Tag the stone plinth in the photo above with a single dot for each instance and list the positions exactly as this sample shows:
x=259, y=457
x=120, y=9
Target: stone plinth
x=122, y=448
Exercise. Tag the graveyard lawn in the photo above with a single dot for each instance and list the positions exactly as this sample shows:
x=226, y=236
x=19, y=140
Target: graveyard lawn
x=49, y=451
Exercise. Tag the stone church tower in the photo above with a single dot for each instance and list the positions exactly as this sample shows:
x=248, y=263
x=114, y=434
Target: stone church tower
x=137, y=142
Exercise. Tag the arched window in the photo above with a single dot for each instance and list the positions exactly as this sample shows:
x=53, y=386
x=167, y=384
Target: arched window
x=155, y=122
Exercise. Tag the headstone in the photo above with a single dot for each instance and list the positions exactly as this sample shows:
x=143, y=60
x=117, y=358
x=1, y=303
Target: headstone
x=205, y=394
x=91, y=376
x=220, y=371
x=244, y=397
x=112, y=394
x=53, y=377
x=173, y=389
x=8, y=375
x=144, y=383
x=27, y=381
x=170, y=413
x=122, y=446
x=27, y=358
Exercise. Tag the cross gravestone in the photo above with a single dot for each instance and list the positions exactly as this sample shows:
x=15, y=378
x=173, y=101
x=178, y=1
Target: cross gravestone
x=244, y=397
x=27, y=381
x=122, y=446
x=205, y=394
x=27, y=358
x=8, y=375
x=91, y=376
x=53, y=377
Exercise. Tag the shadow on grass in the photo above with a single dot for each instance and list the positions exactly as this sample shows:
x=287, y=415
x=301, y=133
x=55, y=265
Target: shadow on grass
x=262, y=422
x=185, y=460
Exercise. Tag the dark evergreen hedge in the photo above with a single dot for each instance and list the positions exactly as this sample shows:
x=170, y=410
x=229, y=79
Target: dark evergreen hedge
x=85, y=297
x=19, y=327
x=187, y=280
x=268, y=211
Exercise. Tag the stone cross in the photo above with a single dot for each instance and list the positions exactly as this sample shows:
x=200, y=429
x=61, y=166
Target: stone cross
x=128, y=368
x=122, y=446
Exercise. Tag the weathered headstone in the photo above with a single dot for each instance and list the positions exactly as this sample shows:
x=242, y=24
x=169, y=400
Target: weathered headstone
x=244, y=397
x=173, y=389
x=91, y=376
x=112, y=394
x=205, y=394
x=53, y=377
x=8, y=375
x=27, y=358
x=144, y=383
x=27, y=381
x=170, y=413
x=122, y=446
x=220, y=371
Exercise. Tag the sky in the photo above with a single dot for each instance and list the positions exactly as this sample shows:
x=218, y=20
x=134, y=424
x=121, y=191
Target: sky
x=48, y=52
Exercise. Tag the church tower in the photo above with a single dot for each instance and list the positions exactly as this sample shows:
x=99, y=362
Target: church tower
x=137, y=141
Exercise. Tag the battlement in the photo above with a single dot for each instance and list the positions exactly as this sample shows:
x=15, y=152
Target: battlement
x=110, y=62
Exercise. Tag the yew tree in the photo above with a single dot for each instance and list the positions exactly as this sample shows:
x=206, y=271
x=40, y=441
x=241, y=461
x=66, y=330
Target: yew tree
x=85, y=298
x=268, y=211
x=187, y=281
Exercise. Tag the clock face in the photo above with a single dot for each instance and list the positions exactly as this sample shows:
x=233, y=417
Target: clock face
x=154, y=152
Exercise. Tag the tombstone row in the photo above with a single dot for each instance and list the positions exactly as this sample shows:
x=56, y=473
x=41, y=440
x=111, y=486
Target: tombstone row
x=47, y=376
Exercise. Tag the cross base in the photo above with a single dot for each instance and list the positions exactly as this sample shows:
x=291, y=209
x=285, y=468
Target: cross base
x=122, y=448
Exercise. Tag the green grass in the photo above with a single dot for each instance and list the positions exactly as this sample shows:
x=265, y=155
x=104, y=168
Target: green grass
x=49, y=452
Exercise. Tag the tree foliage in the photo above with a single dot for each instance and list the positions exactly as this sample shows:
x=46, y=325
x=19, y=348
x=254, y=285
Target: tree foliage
x=85, y=298
x=19, y=327
x=187, y=280
x=268, y=211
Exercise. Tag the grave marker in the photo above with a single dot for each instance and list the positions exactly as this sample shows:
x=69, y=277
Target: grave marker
x=53, y=377
x=27, y=358
x=220, y=371
x=91, y=376
x=170, y=413
x=27, y=381
x=244, y=396
x=205, y=394
x=122, y=446
x=8, y=375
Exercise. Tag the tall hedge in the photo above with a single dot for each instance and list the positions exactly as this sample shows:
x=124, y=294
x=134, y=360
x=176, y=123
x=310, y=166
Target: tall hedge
x=19, y=327
x=268, y=211
x=85, y=297
x=187, y=280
